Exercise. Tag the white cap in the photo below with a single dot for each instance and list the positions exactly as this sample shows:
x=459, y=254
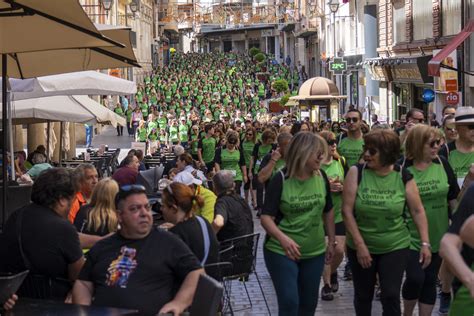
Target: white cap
x=186, y=178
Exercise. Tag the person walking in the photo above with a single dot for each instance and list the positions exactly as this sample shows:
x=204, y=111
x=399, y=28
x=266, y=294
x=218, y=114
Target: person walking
x=378, y=240
x=438, y=189
x=297, y=206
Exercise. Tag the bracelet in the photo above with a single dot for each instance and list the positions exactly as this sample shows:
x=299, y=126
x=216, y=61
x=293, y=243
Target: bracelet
x=275, y=161
x=426, y=244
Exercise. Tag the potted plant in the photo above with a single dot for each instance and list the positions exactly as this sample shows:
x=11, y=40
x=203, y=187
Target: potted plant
x=254, y=51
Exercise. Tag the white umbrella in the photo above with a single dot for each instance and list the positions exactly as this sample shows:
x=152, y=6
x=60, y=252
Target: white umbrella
x=74, y=83
x=103, y=114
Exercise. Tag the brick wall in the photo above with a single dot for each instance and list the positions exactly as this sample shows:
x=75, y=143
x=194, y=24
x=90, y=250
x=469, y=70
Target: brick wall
x=409, y=16
x=382, y=21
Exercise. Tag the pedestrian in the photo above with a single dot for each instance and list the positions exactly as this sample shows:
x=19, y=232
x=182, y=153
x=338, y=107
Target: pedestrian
x=378, y=245
x=438, y=189
x=297, y=206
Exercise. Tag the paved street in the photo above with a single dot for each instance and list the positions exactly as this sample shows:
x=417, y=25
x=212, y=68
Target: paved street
x=341, y=305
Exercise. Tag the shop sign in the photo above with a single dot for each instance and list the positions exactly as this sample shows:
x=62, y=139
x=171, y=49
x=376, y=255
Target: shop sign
x=406, y=74
x=441, y=82
x=452, y=98
x=380, y=73
x=114, y=72
x=338, y=66
x=452, y=85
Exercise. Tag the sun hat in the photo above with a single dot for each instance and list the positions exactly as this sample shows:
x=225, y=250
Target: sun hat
x=186, y=178
x=464, y=115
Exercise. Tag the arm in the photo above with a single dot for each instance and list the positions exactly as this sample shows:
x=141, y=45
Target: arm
x=266, y=171
x=417, y=212
x=87, y=241
x=74, y=269
x=348, y=198
x=218, y=223
x=185, y=295
x=292, y=249
x=467, y=232
x=82, y=292
x=328, y=219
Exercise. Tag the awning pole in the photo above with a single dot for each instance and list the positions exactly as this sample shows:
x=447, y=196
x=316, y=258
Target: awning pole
x=5, y=139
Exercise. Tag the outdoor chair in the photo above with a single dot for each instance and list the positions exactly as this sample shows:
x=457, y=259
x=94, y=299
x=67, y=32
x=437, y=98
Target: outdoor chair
x=207, y=297
x=217, y=271
x=243, y=257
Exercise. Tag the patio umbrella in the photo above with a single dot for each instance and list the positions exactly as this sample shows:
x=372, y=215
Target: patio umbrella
x=33, y=26
x=74, y=83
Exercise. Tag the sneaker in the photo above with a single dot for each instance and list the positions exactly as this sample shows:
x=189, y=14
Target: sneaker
x=334, y=283
x=347, y=272
x=444, y=303
x=326, y=293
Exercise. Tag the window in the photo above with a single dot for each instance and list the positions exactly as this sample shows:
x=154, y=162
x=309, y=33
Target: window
x=399, y=22
x=422, y=19
x=451, y=16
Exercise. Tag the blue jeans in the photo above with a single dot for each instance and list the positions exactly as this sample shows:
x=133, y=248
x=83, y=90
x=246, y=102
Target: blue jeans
x=89, y=134
x=296, y=282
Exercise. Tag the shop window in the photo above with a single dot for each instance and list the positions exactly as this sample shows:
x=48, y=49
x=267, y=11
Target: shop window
x=399, y=22
x=422, y=19
x=451, y=16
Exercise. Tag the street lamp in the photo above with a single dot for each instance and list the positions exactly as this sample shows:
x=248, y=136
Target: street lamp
x=107, y=4
x=334, y=6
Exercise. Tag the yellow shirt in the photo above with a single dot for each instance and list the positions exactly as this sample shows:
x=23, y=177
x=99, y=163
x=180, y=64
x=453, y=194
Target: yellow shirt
x=207, y=211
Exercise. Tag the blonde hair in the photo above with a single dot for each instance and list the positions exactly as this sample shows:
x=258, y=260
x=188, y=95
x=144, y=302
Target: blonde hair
x=416, y=139
x=301, y=147
x=103, y=206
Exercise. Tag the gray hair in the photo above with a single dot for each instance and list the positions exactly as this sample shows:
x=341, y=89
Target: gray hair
x=178, y=150
x=38, y=158
x=80, y=171
x=223, y=182
x=283, y=137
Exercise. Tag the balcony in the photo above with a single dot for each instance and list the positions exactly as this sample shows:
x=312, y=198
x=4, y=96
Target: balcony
x=307, y=27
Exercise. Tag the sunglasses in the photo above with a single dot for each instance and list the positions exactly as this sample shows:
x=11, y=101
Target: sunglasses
x=128, y=190
x=372, y=151
x=352, y=120
x=435, y=142
x=249, y=134
x=331, y=142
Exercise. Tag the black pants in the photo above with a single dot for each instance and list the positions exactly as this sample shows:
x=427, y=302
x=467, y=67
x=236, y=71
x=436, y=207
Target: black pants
x=389, y=267
x=260, y=193
x=119, y=130
x=420, y=284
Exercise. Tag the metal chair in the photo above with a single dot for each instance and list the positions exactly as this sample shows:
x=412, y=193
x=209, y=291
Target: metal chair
x=243, y=256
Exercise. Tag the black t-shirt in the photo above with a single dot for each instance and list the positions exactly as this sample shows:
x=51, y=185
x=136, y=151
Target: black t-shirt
x=464, y=211
x=81, y=221
x=237, y=217
x=141, y=274
x=50, y=243
x=191, y=233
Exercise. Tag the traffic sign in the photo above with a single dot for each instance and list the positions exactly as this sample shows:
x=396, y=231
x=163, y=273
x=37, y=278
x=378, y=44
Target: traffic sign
x=338, y=66
x=452, y=98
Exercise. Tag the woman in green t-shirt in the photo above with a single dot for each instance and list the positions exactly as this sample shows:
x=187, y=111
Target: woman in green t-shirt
x=297, y=210
x=438, y=189
x=335, y=167
x=247, y=144
x=378, y=240
x=119, y=110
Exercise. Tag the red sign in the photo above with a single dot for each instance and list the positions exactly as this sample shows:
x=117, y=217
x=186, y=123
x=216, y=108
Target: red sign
x=452, y=85
x=452, y=98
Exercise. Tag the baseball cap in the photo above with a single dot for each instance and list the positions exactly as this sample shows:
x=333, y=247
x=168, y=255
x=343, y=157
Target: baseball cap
x=186, y=178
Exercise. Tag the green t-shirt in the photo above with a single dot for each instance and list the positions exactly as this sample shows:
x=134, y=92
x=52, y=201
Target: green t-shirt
x=142, y=134
x=128, y=113
x=379, y=212
x=462, y=303
x=231, y=160
x=433, y=186
x=183, y=132
x=334, y=170
x=351, y=150
x=194, y=146
x=162, y=122
x=173, y=132
x=208, y=146
x=259, y=154
x=461, y=163
x=247, y=148
x=118, y=111
x=300, y=204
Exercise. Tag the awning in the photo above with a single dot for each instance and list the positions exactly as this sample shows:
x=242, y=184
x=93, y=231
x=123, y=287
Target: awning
x=434, y=64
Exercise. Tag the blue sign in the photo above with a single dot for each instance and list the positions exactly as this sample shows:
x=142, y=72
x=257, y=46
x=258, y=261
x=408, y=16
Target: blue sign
x=428, y=95
x=231, y=63
x=274, y=62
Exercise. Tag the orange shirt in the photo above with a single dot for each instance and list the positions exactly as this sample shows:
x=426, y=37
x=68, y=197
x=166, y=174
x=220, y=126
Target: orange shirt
x=79, y=201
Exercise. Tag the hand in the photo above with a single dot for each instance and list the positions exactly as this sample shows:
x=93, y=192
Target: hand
x=172, y=308
x=336, y=186
x=329, y=253
x=250, y=176
x=292, y=249
x=10, y=303
x=364, y=257
x=166, y=225
x=276, y=155
x=246, y=179
x=425, y=256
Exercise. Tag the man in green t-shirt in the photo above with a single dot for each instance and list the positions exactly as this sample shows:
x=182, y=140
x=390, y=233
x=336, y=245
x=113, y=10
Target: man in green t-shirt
x=351, y=147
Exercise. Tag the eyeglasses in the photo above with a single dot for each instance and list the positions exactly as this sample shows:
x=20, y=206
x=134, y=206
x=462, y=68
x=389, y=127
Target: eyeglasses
x=372, y=151
x=435, y=142
x=331, y=142
x=352, y=120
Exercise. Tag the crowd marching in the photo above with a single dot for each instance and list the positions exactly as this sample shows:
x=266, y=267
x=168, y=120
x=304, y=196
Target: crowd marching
x=396, y=201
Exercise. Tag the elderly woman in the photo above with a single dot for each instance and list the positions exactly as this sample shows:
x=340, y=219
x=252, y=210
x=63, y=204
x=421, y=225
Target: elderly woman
x=374, y=199
x=438, y=191
x=297, y=208
x=232, y=214
x=185, y=163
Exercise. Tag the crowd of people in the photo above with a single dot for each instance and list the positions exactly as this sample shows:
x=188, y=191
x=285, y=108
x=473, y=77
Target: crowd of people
x=396, y=201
